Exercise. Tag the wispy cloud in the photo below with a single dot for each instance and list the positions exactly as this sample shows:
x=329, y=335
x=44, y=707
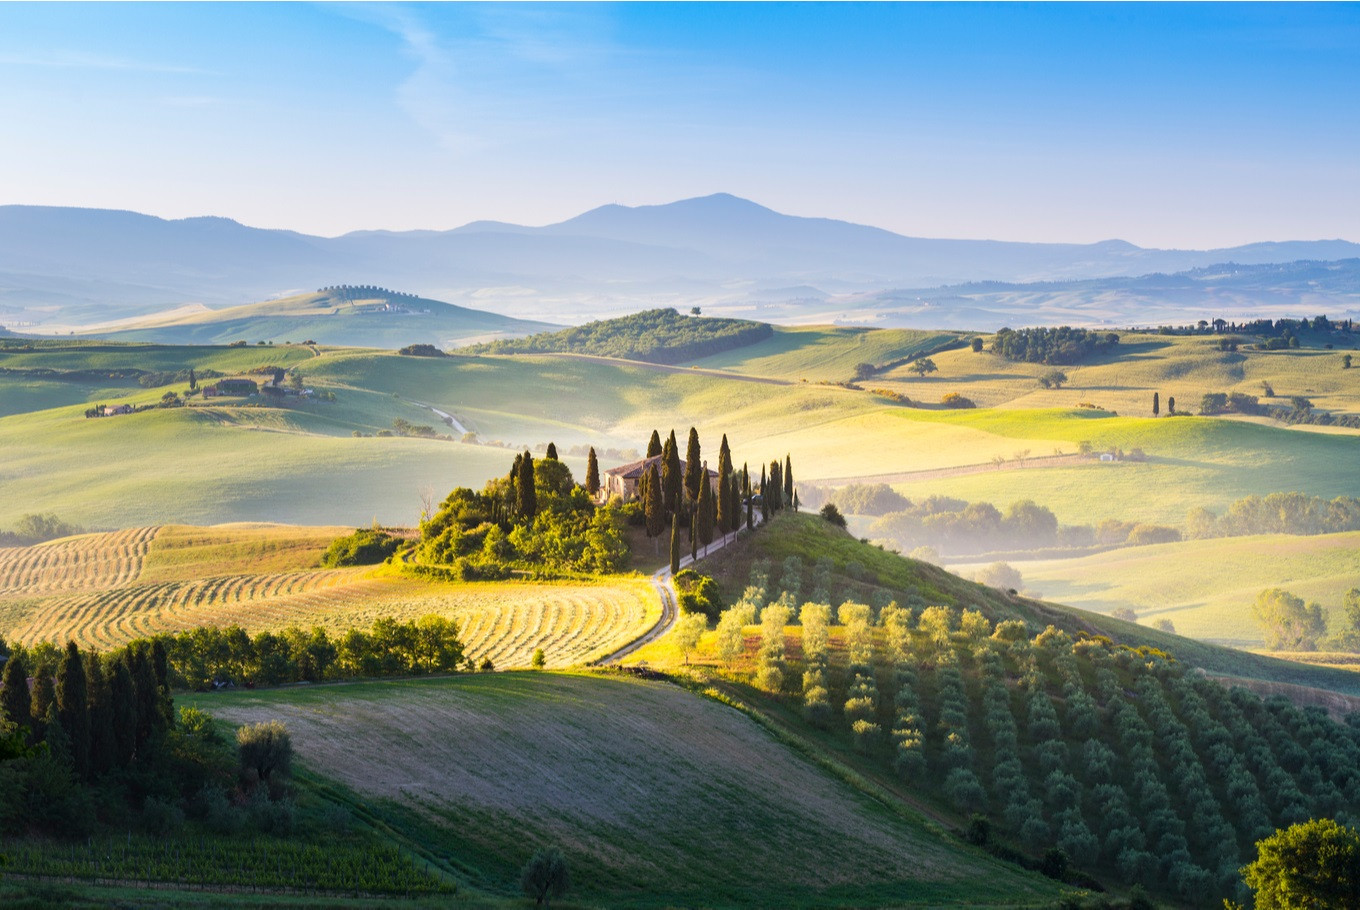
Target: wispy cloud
x=62, y=59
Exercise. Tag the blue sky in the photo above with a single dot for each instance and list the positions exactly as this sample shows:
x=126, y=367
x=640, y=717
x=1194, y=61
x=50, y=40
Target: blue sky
x=1166, y=125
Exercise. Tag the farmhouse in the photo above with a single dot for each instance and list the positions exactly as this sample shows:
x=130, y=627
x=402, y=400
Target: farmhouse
x=623, y=481
x=112, y=409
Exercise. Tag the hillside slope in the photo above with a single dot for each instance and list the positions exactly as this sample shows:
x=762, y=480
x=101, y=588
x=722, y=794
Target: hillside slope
x=370, y=317
x=698, y=806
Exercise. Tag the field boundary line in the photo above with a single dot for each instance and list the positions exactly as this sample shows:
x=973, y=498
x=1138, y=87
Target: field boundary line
x=1031, y=463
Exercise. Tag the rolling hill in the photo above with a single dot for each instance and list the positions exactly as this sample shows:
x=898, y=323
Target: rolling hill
x=81, y=266
x=368, y=317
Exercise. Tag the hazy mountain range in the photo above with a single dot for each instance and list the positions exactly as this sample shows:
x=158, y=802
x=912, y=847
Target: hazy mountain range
x=62, y=267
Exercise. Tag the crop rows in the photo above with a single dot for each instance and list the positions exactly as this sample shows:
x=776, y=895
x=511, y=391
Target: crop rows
x=106, y=619
x=503, y=623
x=229, y=864
x=77, y=563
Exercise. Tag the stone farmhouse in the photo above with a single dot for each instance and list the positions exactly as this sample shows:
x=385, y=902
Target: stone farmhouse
x=623, y=481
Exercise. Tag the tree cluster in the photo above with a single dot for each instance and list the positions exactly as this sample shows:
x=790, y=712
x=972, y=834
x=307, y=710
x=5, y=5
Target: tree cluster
x=656, y=336
x=536, y=519
x=1277, y=513
x=1057, y=346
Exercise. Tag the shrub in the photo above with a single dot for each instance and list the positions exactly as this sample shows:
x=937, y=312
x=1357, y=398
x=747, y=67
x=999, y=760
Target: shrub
x=832, y=515
x=955, y=400
x=362, y=548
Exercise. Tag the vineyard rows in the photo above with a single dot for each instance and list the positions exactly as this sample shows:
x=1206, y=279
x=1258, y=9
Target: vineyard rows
x=229, y=864
x=76, y=563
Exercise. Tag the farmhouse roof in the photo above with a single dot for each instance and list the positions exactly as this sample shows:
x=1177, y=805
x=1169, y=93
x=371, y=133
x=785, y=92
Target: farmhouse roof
x=634, y=470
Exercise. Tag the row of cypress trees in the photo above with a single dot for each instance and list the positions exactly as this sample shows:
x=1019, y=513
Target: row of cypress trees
x=103, y=713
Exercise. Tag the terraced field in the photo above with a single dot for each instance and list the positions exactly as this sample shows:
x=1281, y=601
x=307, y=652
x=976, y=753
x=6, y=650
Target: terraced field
x=103, y=590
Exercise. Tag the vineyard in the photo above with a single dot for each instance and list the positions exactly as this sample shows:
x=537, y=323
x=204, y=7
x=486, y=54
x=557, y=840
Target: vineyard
x=235, y=864
x=103, y=590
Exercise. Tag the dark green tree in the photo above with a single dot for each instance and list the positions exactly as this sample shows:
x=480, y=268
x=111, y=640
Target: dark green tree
x=545, y=876
x=527, y=504
x=654, y=445
x=764, y=495
x=693, y=536
x=123, y=708
x=977, y=345
x=266, y=750
x=654, y=507
x=671, y=474
x=1350, y=603
x=675, y=543
x=707, y=511
x=73, y=708
x=592, y=473
x=193, y=380
x=788, y=480
x=15, y=704
x=103, y=743
x=43, y=698
x=923, y=366
x=1170, y=404
x=147, y=698
x=694, y=471
x=1308, y=866
x=1156, y=404
x=552, y=451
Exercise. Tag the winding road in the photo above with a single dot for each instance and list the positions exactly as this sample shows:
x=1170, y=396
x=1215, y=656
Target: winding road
x=670, y=611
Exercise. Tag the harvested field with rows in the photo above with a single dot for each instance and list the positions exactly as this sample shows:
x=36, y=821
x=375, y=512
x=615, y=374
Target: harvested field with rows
x=657, y=797
x=132, y=584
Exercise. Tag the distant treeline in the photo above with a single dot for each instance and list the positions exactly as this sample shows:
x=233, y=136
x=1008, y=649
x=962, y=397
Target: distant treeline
x=1063, y=345
x=31, y=529
x=1298, y=410
x=956, y=527
x=1277, y=513
x=656, y=336
x=363, y=292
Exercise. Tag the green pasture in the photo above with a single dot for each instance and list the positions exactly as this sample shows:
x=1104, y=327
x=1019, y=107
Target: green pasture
x=824, y=353
x=1205, y=587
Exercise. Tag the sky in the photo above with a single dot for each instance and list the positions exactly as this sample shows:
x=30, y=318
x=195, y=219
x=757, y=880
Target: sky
x=1198, y=126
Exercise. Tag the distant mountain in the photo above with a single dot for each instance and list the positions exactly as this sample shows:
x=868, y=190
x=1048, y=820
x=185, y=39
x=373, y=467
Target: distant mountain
x=369, y=317
x=61, y=267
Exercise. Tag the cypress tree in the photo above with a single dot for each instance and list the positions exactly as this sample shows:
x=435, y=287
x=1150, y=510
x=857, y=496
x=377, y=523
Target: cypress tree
x=1156, y=404
x=776, y=488
x=15, y=704
x=764, y=499
x=706, y=511
x=193, y=380
x=160, y=663
x=1170, y=405
x=675, y=543
x=788, y=481
x=123, y=707
x=671, y=478
x=73, y=708
x=727, y=514
x=103, y=744
x=552, y=451
x=694, y=471
x=524, y=488
x=44, y=695
x=146, y=698
x=746, y=494
x=694, y=536
x=653, y=507
x=592, y=473
x=654, y=445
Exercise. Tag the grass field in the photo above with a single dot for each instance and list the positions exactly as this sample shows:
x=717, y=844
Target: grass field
x=658, y=798
x=1123, y=380
x=103, y=590
x=208, y=464
x=824, y=353
x=1205, y=587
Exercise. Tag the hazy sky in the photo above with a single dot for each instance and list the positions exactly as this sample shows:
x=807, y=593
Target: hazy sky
x=1166, y=125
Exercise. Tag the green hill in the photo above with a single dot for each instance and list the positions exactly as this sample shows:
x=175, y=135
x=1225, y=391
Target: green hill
x=655, y=336
x=361, y=317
